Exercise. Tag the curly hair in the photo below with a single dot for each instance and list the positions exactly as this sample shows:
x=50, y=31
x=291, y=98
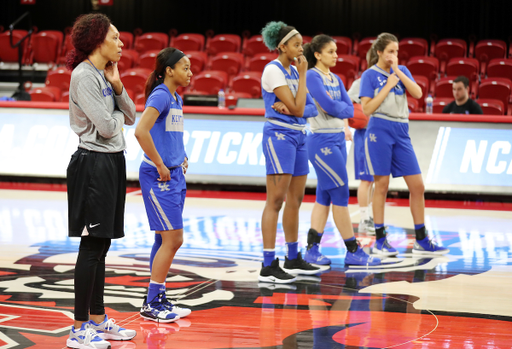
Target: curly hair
x=89, y=31
x=274, y=32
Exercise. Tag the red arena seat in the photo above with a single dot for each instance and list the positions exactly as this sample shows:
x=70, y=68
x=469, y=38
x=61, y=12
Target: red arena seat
x=447, y=49
x=188, y=42
x=410, y=47
x=46, y=46
x=362, y=48
x=140, y=99
x=232, y=97
x=223, y=43
x=151, y=41
x=413, y=105
x=127, y=39
x=424, y=83
x=444, y=87
x=9, y=54
x=425, y=66
x=491, y=106
x=59, y=78
x=210, y=81
x=344, y=45
x=198, y=60
x=260, y=60
x=439, y=104
x=254, y=45
x=230, y=62
x=135, y=79
x=45, y=94
x=65, y=97
x=348, y=66
x=129, y=59
x=500, y=68
x=496, y=88
x=487, y=50
x=148, y=59
x=248, y=82
x=468, y=67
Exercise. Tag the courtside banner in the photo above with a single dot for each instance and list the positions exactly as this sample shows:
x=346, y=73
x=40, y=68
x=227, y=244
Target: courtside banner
x=465, y=156
x=40, y=144
x=459, y=157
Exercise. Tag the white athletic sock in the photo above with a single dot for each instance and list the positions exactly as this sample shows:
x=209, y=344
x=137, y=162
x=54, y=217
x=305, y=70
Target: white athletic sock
x=364, y=213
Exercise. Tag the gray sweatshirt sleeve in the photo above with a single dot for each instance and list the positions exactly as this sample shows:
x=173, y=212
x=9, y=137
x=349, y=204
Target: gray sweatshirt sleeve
x=126, y=106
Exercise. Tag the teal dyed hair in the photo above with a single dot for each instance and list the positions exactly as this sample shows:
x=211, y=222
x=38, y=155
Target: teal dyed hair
x=274, y=32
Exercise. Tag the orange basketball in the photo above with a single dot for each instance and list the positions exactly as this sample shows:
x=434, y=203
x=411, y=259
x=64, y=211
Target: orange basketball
x=359, y=120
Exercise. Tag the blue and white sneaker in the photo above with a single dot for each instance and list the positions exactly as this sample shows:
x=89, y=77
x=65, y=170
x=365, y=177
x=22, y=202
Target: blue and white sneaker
x=109, y=330
x=86, y=337
x=426, y=246
x=157, y=311
x=182, y=312
x=383, y=248
x=314, y=256
x=361, y=258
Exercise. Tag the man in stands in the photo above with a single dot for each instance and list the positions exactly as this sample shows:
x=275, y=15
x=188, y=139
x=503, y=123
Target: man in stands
x=462, y=103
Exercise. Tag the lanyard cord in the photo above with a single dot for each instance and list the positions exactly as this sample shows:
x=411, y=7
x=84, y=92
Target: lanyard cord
x=108, y=87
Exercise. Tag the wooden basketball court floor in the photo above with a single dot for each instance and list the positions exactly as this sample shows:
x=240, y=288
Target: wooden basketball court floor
x=461, y=300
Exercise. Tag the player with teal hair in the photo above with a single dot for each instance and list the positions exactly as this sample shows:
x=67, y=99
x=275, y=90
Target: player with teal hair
x=287, y=105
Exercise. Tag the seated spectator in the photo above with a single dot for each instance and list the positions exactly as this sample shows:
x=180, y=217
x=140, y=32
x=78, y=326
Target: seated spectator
x=462, y=103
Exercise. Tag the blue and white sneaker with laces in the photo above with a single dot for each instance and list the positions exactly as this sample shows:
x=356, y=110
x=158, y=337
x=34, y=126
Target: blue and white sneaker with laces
x=361, y=258
x=182, y=312
x=155, y=310
x=383, y=248
x=426, y=246
x=109, y=330
x=314, y=256
x=85, y=337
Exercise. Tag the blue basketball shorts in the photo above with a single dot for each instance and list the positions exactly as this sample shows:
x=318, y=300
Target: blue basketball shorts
x=285, y=150
x=389, y=150
x=328, y=154
x=164, y=201
x=360, y=168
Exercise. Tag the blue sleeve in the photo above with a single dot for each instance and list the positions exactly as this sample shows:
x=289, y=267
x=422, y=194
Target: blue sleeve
x=332, y=107
x=366, y=89
x=310, y=108
x=159, y=100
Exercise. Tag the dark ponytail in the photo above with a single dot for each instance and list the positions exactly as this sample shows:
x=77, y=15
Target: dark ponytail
x=157, y=76
x=380, y=44
x=316, y=45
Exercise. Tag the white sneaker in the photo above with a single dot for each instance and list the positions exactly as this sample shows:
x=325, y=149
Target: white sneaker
x=109, y=330
x=366, y=226
x=86, y=337
x=182, y=312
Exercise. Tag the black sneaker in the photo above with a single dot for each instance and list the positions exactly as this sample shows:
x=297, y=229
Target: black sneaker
x=274, y=273
x=299, y=266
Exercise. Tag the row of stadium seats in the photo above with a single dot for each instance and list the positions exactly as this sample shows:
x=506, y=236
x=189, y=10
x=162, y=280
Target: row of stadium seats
x=249, y=83
x=51, y=46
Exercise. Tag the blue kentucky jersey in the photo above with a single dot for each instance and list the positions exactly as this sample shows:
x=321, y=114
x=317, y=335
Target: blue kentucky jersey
x=269, y=98
x=167, y=132
x=394, y=107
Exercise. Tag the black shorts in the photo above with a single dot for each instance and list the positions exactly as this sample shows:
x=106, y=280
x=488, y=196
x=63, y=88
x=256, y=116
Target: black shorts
x=96, y=194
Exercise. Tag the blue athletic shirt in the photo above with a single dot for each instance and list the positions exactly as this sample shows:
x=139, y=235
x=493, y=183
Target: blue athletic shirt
x=167, y=132
x=394, y=107
x=333, y=102
x=269, y=98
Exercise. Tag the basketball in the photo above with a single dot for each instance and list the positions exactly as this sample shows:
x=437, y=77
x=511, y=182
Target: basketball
x=359, y=120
